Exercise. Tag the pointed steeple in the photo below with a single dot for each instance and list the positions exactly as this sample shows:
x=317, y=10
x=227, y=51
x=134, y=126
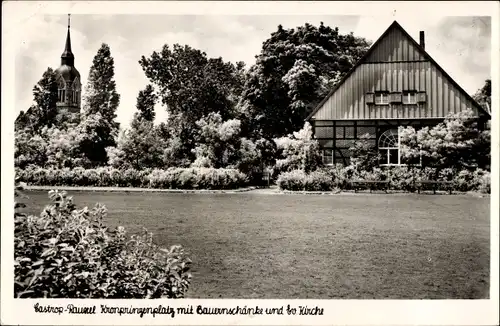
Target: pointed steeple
x=67, y=58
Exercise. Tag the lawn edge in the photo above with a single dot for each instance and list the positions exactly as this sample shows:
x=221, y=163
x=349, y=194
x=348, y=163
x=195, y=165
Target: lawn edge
x=132, y=189
x=266, y=191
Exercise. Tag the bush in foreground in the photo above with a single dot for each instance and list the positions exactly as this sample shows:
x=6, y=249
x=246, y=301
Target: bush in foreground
x=68, y=253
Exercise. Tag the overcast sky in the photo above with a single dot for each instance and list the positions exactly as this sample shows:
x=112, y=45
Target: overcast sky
x=461, y=45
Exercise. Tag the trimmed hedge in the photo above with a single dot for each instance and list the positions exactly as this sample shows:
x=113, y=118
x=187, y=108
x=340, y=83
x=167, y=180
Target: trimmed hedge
x=400, y=178
x=174, y=178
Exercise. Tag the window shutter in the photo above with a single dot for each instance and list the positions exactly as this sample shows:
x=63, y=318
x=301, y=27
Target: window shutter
x=421, y=97
x=369, y=98
x=395, y=98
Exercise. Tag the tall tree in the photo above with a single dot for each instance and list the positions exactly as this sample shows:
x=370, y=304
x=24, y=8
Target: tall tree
x=99, y=128
x=43, y=112
x=141, y=146
x=146, y=101
x=100, y=93
x=191, y=83
x=191, y=86
x=293, y=72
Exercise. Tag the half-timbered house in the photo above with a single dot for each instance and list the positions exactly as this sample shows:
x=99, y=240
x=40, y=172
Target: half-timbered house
x=396, y=83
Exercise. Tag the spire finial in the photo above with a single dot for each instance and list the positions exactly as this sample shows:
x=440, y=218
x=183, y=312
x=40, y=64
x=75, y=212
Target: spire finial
x=67, y=57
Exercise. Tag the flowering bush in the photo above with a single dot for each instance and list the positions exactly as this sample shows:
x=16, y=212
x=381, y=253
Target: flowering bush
x=69, y=253
x=298, y=151
x=458, y=142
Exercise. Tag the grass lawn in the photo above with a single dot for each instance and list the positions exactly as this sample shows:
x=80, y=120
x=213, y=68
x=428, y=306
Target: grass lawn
x=312, y=246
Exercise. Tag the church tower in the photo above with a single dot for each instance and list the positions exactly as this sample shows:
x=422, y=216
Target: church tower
x=68, y=80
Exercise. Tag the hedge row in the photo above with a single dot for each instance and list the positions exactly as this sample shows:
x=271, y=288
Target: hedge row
x=400, y=178
x=174, y=178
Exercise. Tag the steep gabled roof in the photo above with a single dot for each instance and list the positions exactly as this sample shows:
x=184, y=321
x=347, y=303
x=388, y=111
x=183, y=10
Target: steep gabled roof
x=394, y=25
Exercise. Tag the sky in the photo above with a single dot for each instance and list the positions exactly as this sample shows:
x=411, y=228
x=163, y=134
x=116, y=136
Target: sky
x=461, y=45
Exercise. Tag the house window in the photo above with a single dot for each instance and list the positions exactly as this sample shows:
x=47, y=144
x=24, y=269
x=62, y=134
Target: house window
x=389, y=147
x=410, y=98
x=328, y=157
x=381, y=98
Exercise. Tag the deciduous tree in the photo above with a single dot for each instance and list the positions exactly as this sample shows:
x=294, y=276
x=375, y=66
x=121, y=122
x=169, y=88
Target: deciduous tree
x=99, y=110
x=293, y=72
x=43, y=112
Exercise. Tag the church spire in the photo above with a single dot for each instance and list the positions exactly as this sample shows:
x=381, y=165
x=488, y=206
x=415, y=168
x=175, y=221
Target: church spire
x=67, y=58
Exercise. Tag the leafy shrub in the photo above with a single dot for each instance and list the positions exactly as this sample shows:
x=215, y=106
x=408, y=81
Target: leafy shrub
x=197, y=178
x=376, y=174
x=298, y=180
x=318, y=181
x=446, y=174
x=68, y=253
x=401, y=178
x=364, y=155
x=293, y=180
x=465, y=181
x=299, y=151
x=485, y=183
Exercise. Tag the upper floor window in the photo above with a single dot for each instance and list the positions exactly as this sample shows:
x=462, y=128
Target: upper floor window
x=381, y=98
x=410, y=98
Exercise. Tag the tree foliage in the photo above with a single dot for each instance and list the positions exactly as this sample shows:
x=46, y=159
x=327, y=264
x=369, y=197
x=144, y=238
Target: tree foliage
x=220, y=144
x=140, y=147
x=146, y=101
x=458, y=143
x=191, y=86
x=364, y=155
x=190, y=83
x=293, y=72
x=43, y=112
x=101, y=100
x=298, y=151
x=483, y=95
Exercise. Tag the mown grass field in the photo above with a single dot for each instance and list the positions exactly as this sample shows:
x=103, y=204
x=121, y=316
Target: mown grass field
x=312, y=246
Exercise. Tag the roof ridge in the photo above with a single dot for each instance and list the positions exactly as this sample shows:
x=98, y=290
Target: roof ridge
x=394, y=24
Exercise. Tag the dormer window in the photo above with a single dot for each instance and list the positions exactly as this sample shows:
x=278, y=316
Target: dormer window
x=381, y=98
x=410, y=98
